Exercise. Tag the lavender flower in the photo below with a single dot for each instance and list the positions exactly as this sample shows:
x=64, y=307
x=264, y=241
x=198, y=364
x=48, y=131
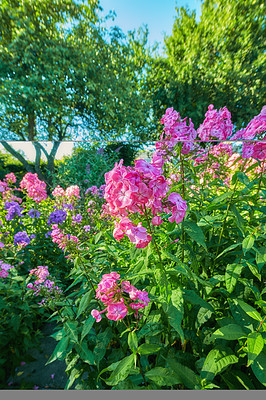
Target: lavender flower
x=86, y=228
x=76, y=219
x=21, y=238
x=57, y=217
x=13, y=210
x=34, y=213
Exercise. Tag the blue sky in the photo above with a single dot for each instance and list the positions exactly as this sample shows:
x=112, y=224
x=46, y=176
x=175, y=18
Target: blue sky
x=159, y=15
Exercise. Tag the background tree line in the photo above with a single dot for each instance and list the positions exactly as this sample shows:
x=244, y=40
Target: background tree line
x=61, y=69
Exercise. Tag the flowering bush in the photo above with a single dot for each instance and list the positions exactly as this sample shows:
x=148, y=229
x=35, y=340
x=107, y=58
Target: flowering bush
x=165, y=262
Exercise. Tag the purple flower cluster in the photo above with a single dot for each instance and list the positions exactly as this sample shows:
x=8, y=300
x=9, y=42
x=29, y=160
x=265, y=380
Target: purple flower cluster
x=21, y=238
x=76, y=219
x=34, y=213
x=86, y=228
x=13, y=210
x=57, y=217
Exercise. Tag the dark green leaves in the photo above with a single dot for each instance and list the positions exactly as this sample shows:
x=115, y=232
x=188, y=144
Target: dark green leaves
x=229, y=332
x=217, y=361
x=121, y=371
x=195, y=232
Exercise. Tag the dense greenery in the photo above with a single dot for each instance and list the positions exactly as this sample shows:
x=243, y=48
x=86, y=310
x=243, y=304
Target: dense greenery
x=218, y=60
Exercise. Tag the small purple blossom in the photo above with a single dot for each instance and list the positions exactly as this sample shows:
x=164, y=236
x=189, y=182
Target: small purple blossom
x=34, y=213
x=86, y=228
x=21, y=238
x=47, y=234
x=57, y=217
x=68, y=207
x=13, y=210
x=76, y=219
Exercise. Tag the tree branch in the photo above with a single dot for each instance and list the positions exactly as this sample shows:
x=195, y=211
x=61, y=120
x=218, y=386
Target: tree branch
x=18, y=156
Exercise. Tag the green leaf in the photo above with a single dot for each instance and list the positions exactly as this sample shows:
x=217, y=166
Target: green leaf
x=261, y=258
x=175, y=312
x=121, y=371
x=192, y=297
x=195, y=232
x=233, y=246
x=59, y=350
x=250, y=311
x=232, y=274
x=229, y=332
x=86, y=355
x=203, y=316
x=103, y=340
x=84, y=302
x=240, y=222
x=70, y=328
x=242, y=177
x=72, y=363
x=217, y=361
x=247, y=243
x=87, y=327
x=146, y=349
x=98, y=236
x=259, y=368
x=133, y=342
x=185, y=374
x=74, y=374
x=255, y=345
x=163, y=376
x=222, y=197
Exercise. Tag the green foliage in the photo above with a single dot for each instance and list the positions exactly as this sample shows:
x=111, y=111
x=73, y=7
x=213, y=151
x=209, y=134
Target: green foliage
x=218, y=60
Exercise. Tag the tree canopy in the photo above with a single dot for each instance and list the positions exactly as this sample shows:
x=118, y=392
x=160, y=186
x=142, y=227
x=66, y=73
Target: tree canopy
x=219, y=60
x=64, y=76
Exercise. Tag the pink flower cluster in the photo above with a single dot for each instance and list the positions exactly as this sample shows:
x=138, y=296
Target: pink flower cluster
x=255, y=127
x=70, y=194
x=35, y=188
x=254, y=149
x=41, y=273
x=254, y=130
x=134, y=190
x=217, y=124
x=175, y=130
x=4, y=268
x=11, y=178
x=118, y=299
x=61, y=238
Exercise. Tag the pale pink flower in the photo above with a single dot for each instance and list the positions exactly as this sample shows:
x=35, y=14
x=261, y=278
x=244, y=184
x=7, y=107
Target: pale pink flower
x=58, y=192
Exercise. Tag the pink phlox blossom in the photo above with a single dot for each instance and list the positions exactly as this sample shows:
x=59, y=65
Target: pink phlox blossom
x=179, y=208
x=157, y=220
x=35, y=188
x=11, y=177
x=137, y=306
x=159, y=186
x=72, y=191
x=146, y=169
x=254, y=128
x=217, y=124
x=58, y=192
x=116, y=311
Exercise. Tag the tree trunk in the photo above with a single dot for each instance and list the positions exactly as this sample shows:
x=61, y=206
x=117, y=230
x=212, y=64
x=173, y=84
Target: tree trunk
x=31, y=126
x=18, y=156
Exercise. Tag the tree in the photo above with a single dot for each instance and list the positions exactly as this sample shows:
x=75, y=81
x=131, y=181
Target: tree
x=61, y=70
x=218, y=60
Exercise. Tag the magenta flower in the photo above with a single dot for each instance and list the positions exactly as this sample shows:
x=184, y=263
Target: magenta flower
x=116, y=311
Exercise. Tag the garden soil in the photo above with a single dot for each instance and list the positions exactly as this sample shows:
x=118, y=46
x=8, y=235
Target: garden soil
x=37, y=375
